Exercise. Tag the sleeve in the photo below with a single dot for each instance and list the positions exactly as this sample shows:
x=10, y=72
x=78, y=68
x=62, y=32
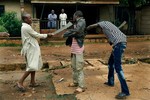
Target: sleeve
x=48, y=16
x=60, y=16
x=35, y=34
x=66, y=16
x=55, y=17
x=101, y=24
x=79, y=26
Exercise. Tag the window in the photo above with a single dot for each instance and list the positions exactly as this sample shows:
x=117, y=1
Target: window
x=1, y=9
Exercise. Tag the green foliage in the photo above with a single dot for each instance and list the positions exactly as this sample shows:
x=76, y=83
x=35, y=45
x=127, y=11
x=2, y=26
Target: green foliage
x=137, y=3
x=3, y=29
x=11, y=23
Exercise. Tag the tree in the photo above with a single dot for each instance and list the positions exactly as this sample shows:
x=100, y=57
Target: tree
x=10, y=21
x=132, y=5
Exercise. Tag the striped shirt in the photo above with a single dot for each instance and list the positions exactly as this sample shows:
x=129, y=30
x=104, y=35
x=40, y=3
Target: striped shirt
x=75, y=49
x=112, y=32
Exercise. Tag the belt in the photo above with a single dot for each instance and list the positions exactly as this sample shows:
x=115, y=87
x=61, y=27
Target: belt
x=121, y=43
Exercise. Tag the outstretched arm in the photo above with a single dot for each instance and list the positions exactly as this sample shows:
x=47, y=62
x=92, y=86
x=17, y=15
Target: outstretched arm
x=92, y=26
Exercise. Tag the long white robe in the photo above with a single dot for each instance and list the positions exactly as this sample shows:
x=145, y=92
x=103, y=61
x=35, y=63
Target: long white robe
x=62, y=18
x=30, y=47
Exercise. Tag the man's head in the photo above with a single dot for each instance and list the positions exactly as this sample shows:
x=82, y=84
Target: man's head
x=26, y=18
x=52, y=11
x=77, y=14
x=62, y=10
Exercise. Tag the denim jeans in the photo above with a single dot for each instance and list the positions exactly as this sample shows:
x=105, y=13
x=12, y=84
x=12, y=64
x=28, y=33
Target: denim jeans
x=52, y=24
x=115, y=63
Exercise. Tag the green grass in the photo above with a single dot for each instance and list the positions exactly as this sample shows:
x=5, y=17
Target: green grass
x=9, y=45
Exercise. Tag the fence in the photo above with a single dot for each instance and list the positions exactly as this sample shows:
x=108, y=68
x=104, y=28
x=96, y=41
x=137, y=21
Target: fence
x=44, y=24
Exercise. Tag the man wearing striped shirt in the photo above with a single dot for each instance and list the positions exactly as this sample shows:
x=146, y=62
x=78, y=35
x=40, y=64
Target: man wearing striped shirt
x=76, y=41
x=118, y=41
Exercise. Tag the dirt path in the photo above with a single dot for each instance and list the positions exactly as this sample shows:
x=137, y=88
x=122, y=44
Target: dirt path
x=62, y=52
x=137, y=75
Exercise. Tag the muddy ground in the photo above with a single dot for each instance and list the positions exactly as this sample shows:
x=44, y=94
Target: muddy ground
x=137, y=73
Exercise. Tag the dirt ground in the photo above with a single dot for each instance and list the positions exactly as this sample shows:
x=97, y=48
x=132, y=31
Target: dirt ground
x=52, y=88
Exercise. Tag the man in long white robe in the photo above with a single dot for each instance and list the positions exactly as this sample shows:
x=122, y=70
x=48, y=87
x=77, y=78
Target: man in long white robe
x=63, y=18
x=30, y=50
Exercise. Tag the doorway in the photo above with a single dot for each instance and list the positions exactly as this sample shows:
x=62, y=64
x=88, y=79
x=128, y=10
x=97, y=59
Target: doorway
x=90, y=12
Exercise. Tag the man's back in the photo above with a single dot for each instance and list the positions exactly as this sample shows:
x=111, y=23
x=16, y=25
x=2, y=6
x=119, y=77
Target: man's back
x=112, y=32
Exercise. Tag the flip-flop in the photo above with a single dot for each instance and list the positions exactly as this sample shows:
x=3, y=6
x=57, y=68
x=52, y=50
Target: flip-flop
x=20, y=88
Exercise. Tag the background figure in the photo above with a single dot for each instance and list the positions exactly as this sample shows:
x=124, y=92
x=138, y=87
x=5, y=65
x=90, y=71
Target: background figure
x=62, y=17
x=76, y=41
x=52, y=20
x=30, y=50
x=118, y=40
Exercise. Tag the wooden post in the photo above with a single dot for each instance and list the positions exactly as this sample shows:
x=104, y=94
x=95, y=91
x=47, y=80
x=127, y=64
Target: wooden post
x=36, y=25
x=22, y=6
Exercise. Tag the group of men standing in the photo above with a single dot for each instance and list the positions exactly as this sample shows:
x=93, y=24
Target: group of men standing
x=75, y=39
x=52, y=19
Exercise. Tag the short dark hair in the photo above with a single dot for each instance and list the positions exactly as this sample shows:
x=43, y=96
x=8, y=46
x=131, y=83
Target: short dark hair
x=78, y=13
x=24, y=16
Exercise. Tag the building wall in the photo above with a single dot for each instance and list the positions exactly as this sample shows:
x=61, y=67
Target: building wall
x=107, y=13
x=74, y=1
x=15, y=6
x=28, y=8
x=143, y=20
x=12, y=6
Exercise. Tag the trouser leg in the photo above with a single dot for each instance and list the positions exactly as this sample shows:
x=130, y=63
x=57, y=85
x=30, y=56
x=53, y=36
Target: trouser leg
x=74, y=72
x=118, y=52
x=111, y=70
x=79, y=66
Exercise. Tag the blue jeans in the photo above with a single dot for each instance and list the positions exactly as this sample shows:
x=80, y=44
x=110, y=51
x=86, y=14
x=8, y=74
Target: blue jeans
x=52, y=24
x=115, y=63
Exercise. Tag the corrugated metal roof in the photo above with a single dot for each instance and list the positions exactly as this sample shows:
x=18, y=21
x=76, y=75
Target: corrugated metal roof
x=77, y=1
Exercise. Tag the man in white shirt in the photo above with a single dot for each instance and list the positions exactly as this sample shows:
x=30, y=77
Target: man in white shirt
x=62, y=17
x=30, y=50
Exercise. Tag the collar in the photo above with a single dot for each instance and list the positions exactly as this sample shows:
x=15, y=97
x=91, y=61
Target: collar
x=25, y=24
x=79, y=18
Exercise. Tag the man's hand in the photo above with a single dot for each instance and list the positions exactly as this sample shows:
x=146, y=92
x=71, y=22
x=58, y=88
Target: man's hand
x=50, y=34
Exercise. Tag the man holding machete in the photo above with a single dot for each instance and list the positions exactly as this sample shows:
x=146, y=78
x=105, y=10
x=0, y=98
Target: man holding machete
x=118, y=41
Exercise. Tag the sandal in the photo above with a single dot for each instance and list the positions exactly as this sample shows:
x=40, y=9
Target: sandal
x=79, y=90
x=20, y=88
x=73, y=85
x=34, y=85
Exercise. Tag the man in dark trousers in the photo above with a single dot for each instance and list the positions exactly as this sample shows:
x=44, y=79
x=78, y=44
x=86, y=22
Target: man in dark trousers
x=118, y=41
